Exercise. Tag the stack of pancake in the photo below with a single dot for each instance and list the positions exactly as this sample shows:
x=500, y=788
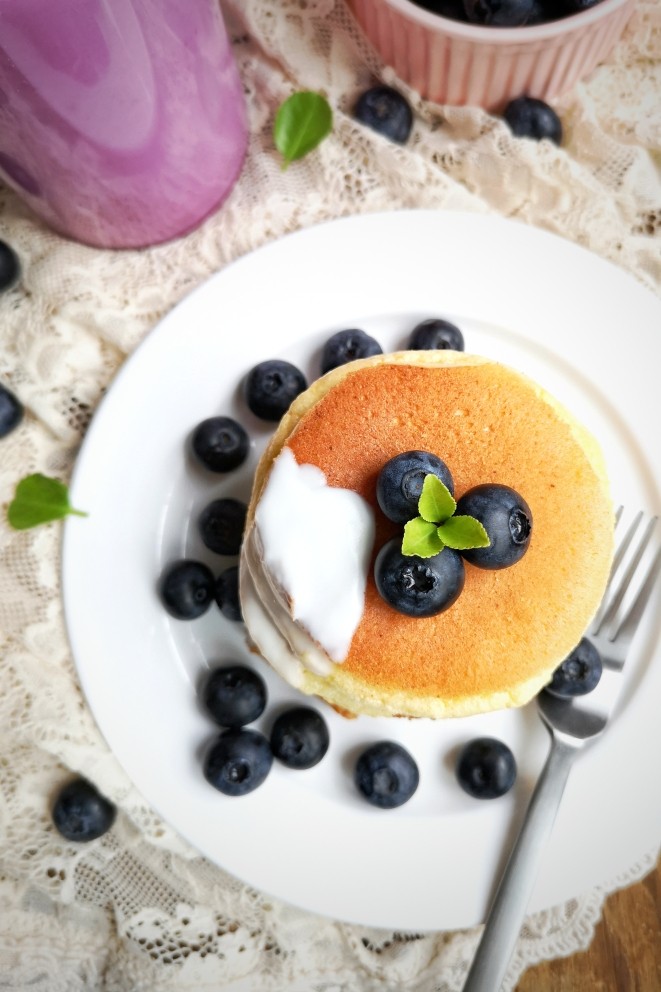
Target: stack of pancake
x=499, y=644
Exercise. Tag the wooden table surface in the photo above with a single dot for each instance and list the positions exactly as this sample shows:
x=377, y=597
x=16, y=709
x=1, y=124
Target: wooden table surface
x=625, y=954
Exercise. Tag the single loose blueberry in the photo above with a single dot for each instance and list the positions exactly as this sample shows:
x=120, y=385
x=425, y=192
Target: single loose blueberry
x=418, y=587
x=187, y=589
x=221, y=525
x=386, y=111
x=234, y=695
x=238, y=762
x=80, y=813
x=347, y=346
x=300, y=737
x=11, y=412
x=227, y=594
x=386, y=775
x=507, y=519
x=579, y=673
x=400, y=482
x=528, y=117
x=486, y=768
x=271, y=386
x=498, y=13
x=221, y=444
x=10, y=267
x=436, y=334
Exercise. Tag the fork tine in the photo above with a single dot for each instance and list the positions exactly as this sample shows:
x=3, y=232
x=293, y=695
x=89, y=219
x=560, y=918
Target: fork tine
x=626, y=540
x=618, y=594
x=617, y=558
x=629, y=622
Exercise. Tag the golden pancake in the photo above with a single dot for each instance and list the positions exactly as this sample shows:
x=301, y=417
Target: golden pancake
x=500, y=642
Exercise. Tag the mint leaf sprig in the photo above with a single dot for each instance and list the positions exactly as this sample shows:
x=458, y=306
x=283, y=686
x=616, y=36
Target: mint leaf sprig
x=437, y=527
x=302, y=122
x=38, y=500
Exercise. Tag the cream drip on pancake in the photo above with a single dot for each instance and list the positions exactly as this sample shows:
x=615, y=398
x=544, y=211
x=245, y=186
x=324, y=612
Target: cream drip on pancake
x=308, y=556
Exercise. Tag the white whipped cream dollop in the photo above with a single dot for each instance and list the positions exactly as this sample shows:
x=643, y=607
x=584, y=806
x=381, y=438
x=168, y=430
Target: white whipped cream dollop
x=315, y=543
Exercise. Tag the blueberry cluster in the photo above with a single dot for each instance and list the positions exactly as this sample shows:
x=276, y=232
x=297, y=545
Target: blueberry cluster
x=506, y=13
x=11, y=409
x=432, y=334
x=388, y=112
x=239, y=758
x=386, y=775
x=188, y=587
x=271, y=386
x=425, y=586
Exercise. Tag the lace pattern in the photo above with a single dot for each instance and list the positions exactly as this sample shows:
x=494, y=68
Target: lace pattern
x=139, y=909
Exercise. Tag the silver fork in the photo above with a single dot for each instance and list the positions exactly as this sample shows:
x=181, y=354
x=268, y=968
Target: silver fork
x=571, y=724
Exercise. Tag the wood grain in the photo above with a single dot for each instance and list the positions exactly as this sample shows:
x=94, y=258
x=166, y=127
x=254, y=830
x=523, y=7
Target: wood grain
x=625, y=954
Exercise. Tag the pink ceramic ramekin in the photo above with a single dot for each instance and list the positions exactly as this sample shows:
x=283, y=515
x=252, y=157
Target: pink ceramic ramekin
x=455, y=63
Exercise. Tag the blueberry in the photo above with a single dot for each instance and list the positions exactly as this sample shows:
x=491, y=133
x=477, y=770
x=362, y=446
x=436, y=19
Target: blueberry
x=498, y=13
x=543, y=11
x=220, y=444
x=10, y=267
x=507, y=519
x=400, y=482
x=234, y=695
x=453, y=9
x=386, y=775
x=579, y=673
x=486, y=768
x=187, y=589
x=528, y=117
x=346, y=346
x=436, y=334
x=238, y=762
x=418, y=587
x=11, y=412
x=300, y=737
x=386, y=111
x=271, y=386
x=227, y=594
x=576, y=6
x=221, y=525
x=81, y=813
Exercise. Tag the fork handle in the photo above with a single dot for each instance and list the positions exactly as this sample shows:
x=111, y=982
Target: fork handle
x=509, y=906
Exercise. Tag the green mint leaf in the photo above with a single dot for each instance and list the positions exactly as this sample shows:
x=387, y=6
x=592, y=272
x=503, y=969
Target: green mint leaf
x=421, y=538
x=38, y=500
x=436, y=503
x=463, y=532
x=301, y=123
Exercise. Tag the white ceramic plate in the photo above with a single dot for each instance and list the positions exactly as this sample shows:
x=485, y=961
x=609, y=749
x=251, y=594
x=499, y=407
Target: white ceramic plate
x=580, y=327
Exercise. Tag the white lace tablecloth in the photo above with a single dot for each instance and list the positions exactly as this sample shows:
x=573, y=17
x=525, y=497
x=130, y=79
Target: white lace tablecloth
x=138, y=909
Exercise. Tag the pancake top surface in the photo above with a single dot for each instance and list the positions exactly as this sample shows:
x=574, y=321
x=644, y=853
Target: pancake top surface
x=489, y=424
